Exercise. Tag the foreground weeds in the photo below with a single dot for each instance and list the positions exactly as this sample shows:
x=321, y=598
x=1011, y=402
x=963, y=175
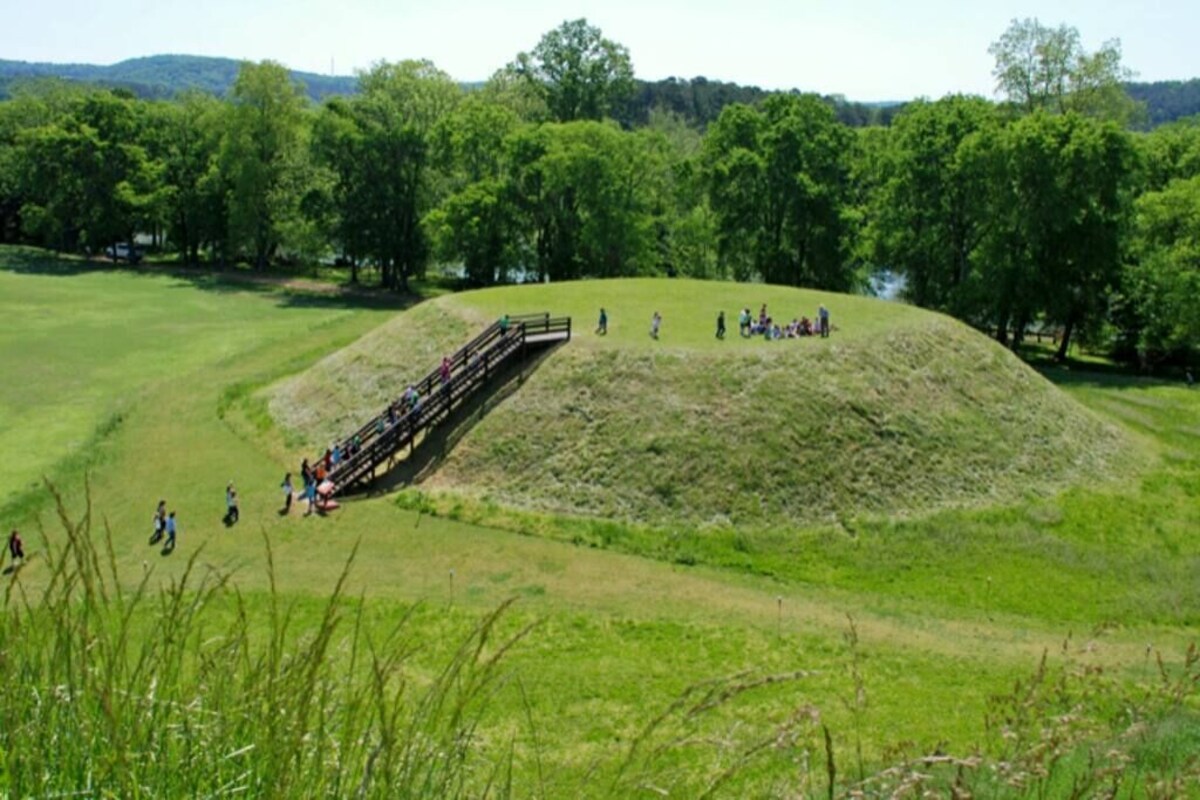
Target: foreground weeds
x=156, y=689
x=127, y=693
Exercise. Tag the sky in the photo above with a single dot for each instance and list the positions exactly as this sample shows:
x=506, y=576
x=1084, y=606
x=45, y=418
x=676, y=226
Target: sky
x=867, y=50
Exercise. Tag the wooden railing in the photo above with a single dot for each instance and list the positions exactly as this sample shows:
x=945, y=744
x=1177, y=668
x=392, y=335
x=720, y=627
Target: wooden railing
x=471, y=368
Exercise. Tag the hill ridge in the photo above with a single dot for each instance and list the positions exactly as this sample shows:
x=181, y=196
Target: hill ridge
x=899, y=412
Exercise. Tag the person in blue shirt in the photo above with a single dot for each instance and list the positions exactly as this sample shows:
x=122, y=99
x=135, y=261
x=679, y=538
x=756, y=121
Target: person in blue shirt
x=171, y=530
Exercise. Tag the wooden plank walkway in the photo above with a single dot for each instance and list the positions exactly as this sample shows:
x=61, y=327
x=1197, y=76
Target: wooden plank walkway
x=471, y=369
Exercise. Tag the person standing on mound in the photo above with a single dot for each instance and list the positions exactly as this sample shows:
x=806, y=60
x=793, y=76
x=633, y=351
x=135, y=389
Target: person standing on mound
x=171, y=529
x=823, y=318
x=602, y=327
x=655, y=324
x=721, y=325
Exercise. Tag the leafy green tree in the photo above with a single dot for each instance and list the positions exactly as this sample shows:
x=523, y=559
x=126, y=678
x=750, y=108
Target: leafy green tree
x=186, y=142
x=477, y=223
x=1169, y=152
x=1039, y=67
x=263, y=143
x=1164, y=278
x=86, y=178
x=1058, y=205
x=928, y=215
x=577, y=72
x=378, y=146
x=778, y=181
x=585, y=191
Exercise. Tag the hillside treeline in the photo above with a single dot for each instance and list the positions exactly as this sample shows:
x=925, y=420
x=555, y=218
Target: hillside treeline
x=1045, y=210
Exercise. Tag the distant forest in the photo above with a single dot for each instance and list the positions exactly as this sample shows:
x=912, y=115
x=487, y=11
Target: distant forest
x=1046, y=209
x=698, y=100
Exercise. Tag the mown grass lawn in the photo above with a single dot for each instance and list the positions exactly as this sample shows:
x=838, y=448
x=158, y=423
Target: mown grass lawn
x=948, y=609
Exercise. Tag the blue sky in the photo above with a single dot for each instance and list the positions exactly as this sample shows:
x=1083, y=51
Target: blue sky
x=864, y=49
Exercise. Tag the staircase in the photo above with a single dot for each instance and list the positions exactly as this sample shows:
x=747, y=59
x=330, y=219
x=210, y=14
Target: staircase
x=471, y=369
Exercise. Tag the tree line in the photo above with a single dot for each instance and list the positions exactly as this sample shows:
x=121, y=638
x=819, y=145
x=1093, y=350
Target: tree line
x=1046, y=209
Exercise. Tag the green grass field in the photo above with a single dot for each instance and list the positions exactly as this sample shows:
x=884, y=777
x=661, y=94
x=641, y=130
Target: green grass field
x=909, y=631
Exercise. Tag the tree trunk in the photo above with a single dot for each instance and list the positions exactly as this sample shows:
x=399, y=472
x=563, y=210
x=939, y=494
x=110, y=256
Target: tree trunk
x=1065, y=343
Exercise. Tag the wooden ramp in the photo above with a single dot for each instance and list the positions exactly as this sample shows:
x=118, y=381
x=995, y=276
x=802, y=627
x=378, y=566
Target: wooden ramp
x=472, y=368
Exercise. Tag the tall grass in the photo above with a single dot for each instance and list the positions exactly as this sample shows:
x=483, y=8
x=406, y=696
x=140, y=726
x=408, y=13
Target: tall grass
x=146, y=691
x=140, y=690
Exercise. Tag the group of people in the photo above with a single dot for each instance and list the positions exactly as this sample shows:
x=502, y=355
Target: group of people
x=748, y=325
x=316, y=485
x=768, y=328
x=166, y=526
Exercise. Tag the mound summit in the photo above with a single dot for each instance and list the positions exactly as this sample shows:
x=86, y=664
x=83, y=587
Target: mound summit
x=899, y=411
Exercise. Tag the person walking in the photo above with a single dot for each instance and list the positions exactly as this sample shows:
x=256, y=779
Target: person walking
x=16, y=548
x=823, y=318
x=310, y=496
x=231, y=505
x=655, y=324
x=160, y=522
x=602, y=328
x=721, y=325
x=288, y=491
x=171, y=530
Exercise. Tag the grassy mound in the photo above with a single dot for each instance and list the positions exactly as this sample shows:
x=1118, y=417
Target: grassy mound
x=900, y=411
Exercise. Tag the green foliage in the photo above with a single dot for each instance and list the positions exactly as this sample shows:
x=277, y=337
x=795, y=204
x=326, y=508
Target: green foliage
x=1038, y=67
x=1057, y=203
x=929, y=214
x=155, y=690
x=777, y=180
x=378, y=147
x=1165, y=278
x=613, y=691
x=579, y=74
x=261, y=156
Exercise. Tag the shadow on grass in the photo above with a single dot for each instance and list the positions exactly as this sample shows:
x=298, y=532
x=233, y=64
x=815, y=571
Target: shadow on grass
x=423, y=460
x=289, y=289
x=1093, y=373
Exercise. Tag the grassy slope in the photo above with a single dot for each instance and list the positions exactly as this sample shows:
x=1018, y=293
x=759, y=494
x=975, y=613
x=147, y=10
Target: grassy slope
x=620, y=635
x=82, y=348
x=900, y=411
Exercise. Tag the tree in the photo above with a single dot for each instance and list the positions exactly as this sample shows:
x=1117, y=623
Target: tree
x=777, y=180
x=378, y=145
x=1057, y=205
x=928, y=216
x=86, y=179
x=577, y=72
x=1170, y=152
x=187, y=144
x=1164, y=278
x=263, y=143
x=1038, y=67
x=585, y=191
x=477, y=223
